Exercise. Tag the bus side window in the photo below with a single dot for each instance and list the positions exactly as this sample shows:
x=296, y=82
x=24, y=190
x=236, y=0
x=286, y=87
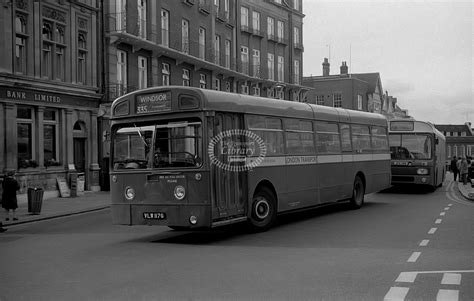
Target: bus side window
x=379, y=138
x=361, y=138
x=328, y=140
x=346, y=138
x=299, y=136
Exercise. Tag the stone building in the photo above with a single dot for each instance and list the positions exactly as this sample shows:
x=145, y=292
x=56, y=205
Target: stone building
x=49, y=91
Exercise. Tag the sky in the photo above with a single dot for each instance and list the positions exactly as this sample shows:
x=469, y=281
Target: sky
x=423, y=50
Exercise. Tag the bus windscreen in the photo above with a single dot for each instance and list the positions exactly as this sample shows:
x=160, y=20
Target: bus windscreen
x=410, y=146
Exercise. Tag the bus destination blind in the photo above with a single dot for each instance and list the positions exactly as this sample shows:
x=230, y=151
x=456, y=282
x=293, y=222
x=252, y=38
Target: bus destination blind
x=155, y=102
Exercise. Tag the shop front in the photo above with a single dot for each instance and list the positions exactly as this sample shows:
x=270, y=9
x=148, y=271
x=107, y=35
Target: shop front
x=48, y=136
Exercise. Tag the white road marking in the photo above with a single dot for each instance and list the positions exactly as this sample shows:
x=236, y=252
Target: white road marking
x=406, y=277
x=446, y=208
x=450, y=205
x=438, y=221
x=451, y=278
x=447, y=295
x=414, y=256
x=396, y=294
x=424, y=242
x=442, y=213
x=432, y=230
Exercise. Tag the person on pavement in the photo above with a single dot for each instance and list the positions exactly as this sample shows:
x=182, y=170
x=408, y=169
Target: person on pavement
x=9, y=201
x=454, y=168
x=463, y=170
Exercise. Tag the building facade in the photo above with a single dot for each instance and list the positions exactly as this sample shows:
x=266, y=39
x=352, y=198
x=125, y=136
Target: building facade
x=49, y=91
x=459, y=139
x=240, y=46
x=358, y=91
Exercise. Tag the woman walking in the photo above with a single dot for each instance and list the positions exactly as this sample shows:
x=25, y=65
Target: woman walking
x=9, y=202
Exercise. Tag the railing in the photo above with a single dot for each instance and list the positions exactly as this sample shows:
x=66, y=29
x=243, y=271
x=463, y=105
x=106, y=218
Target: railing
x=120, y=23
x=117, y=90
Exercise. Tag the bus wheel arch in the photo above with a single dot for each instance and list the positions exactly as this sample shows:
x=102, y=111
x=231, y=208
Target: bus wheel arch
x=358, y=191
x=263, y=207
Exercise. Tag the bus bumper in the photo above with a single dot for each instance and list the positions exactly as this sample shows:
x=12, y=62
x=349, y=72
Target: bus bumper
x=411, y=179
x=161, y=215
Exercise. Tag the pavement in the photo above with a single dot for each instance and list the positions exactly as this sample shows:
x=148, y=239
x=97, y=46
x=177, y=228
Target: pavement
x=54, y=207
x=92, y=201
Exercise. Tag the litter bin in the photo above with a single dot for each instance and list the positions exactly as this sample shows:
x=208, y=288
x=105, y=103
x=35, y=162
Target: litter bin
x=35, y=200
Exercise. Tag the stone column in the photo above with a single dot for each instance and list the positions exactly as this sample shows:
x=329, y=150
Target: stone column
x=69, y=138
x=94, y=183
x=40, y=137
x=11, y=132
x=2, y=137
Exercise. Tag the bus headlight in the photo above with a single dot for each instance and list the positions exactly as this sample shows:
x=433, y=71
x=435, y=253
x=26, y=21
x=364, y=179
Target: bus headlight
x=422, y=171
x=129, y=193
x=179, y=192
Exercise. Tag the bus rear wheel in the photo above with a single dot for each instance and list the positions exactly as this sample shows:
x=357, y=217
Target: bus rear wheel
x=263, y=210
x=358, y=192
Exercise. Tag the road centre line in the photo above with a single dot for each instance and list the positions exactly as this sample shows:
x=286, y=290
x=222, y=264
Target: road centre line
x=396, y=294
x=446, y=208
x=414, y=257
x=406, y=277
x=447, y=295
x=432, y=230
x=451, y=278
x=438, y=221
x=424, y=242
x=442, y=213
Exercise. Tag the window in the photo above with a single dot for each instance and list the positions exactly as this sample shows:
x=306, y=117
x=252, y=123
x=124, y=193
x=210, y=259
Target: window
x=82, y=58
x=165, y=74
x=327, y=138
x=270, y=27
x=244, y=88
x=25, y=142
x=217, y=84
x=361, y=138
x=359, y=102
x=165, y=34
x=202, y=43
x=281, y=69
x=299, y=136
x=227, y=53
x=185, y=36
x=227, y=9
x=202, y=81
x=320, y=100
x=337, y=100
x=217, y=49
x=270, y=130
x=21, y=44
x=244, y=57
x=256, y=62
x=271, y=66
x=296, y=36
x=50, y=136
x=142, y=72
x=186, y=79
x=297, y=72
x=121, y=71
x=53, y=62
x=256, y=21
x=379, y=138
x=244, y=16
x=256, y=90
x=280, y=30
x=296, y=4
x=142, y=18
x=217, y=5
x=346, y=142
x=278, y=1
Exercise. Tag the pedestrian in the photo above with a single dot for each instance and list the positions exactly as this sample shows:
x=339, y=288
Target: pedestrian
x=454, y=168
x=9, y=202
x=463, y=168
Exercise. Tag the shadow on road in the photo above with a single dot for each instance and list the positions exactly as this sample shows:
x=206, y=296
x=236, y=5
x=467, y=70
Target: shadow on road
x=409, y=189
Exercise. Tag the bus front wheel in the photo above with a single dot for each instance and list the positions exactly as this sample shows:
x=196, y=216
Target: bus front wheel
x=263, y=210
x=358, y=192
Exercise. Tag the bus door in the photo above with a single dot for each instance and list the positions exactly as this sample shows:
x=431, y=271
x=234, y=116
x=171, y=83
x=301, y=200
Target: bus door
x=228, y=182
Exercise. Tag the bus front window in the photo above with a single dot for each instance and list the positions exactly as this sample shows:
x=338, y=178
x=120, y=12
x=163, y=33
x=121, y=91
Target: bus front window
x=410, y=146
x=178, y=144
x=132, y=145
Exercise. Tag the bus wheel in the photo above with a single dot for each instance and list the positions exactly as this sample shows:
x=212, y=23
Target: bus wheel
x=263, y=213
x=358, y=192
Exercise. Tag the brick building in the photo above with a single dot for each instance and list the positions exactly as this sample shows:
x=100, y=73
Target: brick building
x=49, y=91
x=459, y=139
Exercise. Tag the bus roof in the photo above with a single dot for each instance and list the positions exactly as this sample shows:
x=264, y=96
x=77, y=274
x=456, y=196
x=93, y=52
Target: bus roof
x=249, y=104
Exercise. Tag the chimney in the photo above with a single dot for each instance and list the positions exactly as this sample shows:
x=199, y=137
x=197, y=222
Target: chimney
x=326, y=67
x=344, y=68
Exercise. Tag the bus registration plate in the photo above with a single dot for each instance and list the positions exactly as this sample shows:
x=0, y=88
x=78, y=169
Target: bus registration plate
x=154, y=215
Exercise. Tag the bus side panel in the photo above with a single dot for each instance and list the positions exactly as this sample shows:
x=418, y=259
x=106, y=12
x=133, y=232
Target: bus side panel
x=331, y=180
x=301, y=182
x=377, y=174
x=272, y=174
